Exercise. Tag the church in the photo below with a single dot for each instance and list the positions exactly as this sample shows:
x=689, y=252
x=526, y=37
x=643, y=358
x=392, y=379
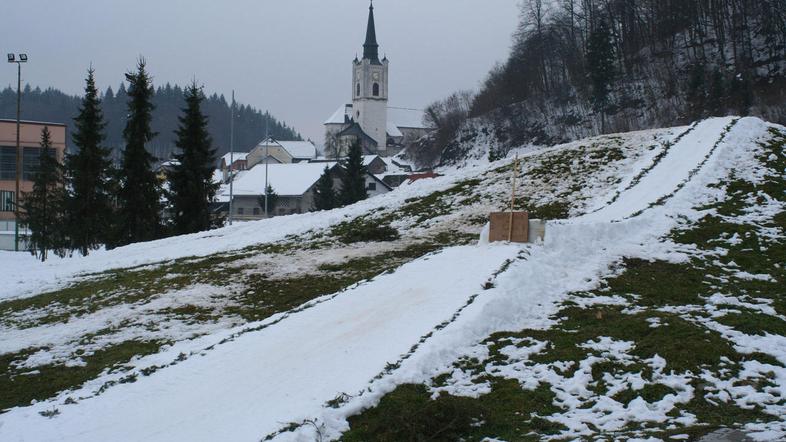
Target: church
x=380, y=129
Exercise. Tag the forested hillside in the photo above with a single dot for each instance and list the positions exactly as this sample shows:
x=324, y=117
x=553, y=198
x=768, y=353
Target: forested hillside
x=582, y=67
x=53, y=105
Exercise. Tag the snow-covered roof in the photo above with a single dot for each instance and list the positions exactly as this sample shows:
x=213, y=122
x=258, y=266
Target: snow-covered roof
x=218, y=176
x=301, y=150
x=393, y=130
x=407, y=118
x=287, y=179
x=367, y=159
x=237, y=156
x=398, y=117
x=339, y=114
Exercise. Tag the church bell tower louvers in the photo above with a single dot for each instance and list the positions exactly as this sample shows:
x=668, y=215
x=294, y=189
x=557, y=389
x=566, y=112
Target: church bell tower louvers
x=370, y=88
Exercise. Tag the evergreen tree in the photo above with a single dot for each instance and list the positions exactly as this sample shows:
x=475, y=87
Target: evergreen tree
x=324, y=195
x=600, y=62
x=353, y=180
x=191, y=181
x=139, y=217
x=89, y=205
x=43, y=208
x=272, y=199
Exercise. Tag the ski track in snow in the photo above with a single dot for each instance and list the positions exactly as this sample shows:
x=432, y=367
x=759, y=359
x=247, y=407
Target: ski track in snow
x=261, y=381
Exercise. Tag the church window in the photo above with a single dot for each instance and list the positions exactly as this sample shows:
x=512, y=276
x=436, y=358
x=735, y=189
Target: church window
x=357, y=90
x=376, y=90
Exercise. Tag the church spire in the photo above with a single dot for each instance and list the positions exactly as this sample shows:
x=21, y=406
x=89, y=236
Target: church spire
x=370, y=47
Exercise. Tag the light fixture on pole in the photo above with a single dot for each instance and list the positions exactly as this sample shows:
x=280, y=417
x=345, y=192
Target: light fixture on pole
x=22, y=59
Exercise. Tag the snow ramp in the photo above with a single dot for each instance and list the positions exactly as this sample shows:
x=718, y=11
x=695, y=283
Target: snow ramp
x=256, y=384
x=670, y=172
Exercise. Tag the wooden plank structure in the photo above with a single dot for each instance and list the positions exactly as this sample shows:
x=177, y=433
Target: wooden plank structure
x=503, y=230
x=510, y=226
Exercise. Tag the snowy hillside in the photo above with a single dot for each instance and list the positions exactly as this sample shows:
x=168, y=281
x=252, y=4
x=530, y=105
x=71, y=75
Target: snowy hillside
x=654, y=309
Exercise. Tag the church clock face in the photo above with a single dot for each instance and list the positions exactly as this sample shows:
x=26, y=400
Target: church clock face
x=375, y=75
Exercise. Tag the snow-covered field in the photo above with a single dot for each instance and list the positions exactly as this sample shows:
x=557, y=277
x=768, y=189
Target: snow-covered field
x=337, y=355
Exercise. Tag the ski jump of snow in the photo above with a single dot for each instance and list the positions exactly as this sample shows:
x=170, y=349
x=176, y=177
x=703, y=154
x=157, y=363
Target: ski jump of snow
x=668, y=175
x=253, y=386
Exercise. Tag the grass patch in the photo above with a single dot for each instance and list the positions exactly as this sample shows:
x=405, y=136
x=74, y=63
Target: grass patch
x=409, y=414
x=659, y=283
x=20, y=390
x=364, y=230
x=650, y=393
x=754, y=323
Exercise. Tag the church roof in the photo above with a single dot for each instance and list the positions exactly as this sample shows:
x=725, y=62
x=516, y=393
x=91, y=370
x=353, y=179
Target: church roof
x=398, y=118
x=339, y=115
x=355, y=130
x=370, y=47
x=406, y=118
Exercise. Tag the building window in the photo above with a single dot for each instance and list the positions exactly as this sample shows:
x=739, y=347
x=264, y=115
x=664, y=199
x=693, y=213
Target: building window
x=7, y=163
x=376, y=89
x=357, y=90
x=30, y=160
x=6, y=201
x=256, y=210
x=372, y=186
x=240, y=211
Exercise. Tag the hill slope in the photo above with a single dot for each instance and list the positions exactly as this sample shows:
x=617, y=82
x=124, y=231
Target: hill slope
x=653, y=308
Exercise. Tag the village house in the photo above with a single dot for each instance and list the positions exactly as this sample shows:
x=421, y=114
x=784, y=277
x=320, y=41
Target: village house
x=269, y=151
x=293, y=183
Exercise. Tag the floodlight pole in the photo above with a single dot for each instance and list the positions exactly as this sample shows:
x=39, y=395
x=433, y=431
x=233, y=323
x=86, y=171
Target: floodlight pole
x=267, y=157
x=18, y=146
x=231, y=158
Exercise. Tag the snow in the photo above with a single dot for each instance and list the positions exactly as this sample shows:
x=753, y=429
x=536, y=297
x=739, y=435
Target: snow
x=674, y=169
x=237, y=156
x=300, y=150
x=286, y=179
x=26, y=276
x=421, y=318
x=339, y=114
x=293, y=367
x=402, y=117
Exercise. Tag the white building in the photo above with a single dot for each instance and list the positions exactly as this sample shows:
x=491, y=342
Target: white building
x=272, y=152
x=380, y=129
x=294, y=184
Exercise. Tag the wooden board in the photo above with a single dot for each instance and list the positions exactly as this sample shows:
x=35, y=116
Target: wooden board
x=500, y=227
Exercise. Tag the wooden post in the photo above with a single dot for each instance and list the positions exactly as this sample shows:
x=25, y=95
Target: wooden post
x=513, y=196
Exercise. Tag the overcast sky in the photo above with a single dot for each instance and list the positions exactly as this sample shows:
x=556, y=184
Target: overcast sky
x=292, y=57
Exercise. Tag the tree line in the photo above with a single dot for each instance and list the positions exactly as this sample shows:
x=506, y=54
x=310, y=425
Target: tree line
x=53, y=105
x=87, y=202
x=582, y=67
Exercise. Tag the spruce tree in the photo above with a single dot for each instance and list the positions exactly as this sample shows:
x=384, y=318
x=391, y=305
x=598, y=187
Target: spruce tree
x=353, y=180
x=324, y=195
x=272, y=199
x=191, y=181
x=43, y=209
x=139, y=217
x=88, y=171
x=600, y=62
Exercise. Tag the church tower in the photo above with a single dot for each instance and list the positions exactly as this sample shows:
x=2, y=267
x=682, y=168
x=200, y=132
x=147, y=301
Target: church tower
x=370, y=88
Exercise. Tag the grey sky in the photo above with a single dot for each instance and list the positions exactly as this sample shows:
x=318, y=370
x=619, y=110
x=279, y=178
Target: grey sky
x=292, y=57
